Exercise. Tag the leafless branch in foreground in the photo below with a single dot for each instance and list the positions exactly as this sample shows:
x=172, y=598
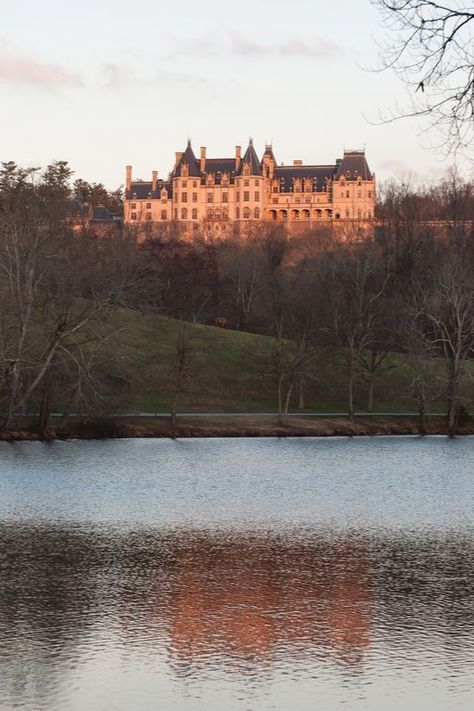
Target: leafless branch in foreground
x=430, y=46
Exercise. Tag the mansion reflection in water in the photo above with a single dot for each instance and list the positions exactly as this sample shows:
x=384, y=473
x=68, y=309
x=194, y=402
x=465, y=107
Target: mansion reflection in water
x=198, y=596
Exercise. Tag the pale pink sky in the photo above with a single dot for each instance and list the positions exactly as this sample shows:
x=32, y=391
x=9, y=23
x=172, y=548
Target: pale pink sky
x=103, y=84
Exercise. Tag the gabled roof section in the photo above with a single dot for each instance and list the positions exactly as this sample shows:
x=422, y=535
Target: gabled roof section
x=143, y=190
x=251, y=158
x=218, y=166
x=353, y=166
x=188, y=158
x=319, y=174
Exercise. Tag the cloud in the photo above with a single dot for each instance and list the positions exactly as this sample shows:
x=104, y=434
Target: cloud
x=236, y=44
x=120, y=76
x=19, y=68
x=316, y=48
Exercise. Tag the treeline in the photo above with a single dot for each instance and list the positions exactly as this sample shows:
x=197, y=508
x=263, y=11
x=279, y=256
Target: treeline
x=329, y=294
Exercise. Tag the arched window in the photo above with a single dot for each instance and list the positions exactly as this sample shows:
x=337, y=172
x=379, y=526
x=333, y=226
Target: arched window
x=246, y=213
x=184, y=214
x=256, y=213
x=195, y=214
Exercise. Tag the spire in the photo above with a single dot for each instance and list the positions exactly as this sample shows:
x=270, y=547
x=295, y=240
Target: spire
x=189, y=159
x=251, y=158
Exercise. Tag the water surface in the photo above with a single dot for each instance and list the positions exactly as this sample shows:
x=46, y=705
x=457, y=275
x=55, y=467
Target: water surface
x=237, y=574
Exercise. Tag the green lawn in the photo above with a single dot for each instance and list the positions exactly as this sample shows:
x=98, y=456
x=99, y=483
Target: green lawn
x=229, y=371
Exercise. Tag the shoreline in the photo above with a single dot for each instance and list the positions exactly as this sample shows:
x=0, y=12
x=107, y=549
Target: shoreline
x=248, y=426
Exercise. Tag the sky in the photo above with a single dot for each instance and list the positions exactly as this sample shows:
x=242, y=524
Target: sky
x=108, y=83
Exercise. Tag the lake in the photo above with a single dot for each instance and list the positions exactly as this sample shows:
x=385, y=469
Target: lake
x=237, y=574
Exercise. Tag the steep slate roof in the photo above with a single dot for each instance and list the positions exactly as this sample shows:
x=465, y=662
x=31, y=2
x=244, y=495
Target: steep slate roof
x=251, y=158
x=218, y=166
x=142, y=190
x=354, y=165
x=190, y=159
x=286, y=174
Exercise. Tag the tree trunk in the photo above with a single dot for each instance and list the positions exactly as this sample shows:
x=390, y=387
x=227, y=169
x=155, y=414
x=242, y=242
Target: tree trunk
x=350, y=374
x=288, y=398
x=301, y=403
x=45, y=411
x=451, y=405
x=422, y=426
x=370, y=399
x=280, y=399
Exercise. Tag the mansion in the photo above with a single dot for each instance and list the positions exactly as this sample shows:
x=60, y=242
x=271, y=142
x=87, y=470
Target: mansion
x=228, y=192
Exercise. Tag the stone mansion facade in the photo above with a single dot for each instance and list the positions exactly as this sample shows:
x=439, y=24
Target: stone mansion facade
x=226, y=192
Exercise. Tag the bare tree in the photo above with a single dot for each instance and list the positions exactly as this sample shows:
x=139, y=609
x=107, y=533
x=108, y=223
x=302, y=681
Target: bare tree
x=181, y=368
x=432, y=51
x=443, y=310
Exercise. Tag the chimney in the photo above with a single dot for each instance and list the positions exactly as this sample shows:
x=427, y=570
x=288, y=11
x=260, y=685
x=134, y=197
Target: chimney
x=202, y=166
x=128, y=177
x=179, y=155
x=238, y=155
x=297, y=162
x=154, y=179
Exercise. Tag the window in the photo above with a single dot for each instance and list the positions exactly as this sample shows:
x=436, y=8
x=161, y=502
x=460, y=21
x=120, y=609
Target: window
x=359, y=194
x=246, y=196
x=195, y=197
x=237, y=213
x=238, y=196
x=163, y=214
x=185, y=183
x=194, y=214
x=347, y=193
x=195, y=184
x=256, y=213
x=307, y=198
x=256, y=183
x=184, y=197
x=148, y=206
x=257, y=197
x=210, y=197
x=175, y=213
x=225, y=197
x=133, y=216
x=275, y=188
x=342, y=194
x=369, y=193
x=184, y=214
x=148, y=216
x=195, y=226
x=133, y=206
x=246, y=183
x=347, y=214
x=246, y=213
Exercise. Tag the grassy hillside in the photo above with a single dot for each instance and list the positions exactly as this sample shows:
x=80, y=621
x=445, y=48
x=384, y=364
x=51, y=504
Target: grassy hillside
x=232, y=371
